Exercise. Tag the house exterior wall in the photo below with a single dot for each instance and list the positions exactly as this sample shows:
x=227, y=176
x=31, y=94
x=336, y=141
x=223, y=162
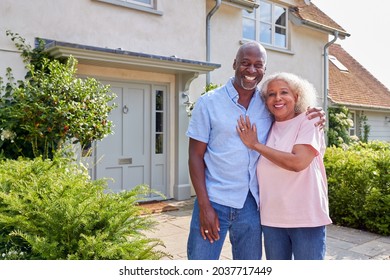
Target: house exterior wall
x=94, y=23
x=379, y=125
x=179, y=31
x=304, y=59
x=305, y=56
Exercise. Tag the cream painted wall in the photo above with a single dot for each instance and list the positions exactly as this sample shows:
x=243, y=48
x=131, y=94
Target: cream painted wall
x=379, y=127
x=225, y=36
x=227, y=27
x=305, y=59
x=94, y=23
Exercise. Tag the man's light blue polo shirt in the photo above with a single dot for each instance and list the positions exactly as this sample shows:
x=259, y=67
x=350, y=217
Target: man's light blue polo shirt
x=230, y=165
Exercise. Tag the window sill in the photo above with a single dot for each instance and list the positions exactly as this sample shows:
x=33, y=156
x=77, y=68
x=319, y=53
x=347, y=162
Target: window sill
x=132, y=6
x=269, y=47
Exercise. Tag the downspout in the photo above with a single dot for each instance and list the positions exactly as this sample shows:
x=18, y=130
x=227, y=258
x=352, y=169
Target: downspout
x=209, y=15
x=326, y=80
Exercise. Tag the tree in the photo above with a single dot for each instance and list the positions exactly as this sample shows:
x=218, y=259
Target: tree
x=51, y=106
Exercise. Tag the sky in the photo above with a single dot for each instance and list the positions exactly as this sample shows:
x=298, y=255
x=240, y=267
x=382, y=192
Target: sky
x=368, y=22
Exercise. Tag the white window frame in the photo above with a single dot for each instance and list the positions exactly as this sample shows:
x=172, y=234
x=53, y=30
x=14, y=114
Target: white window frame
x=255, y=16
x=352, y=129
x=338, y=64
x=136, y=5
x=141, y=3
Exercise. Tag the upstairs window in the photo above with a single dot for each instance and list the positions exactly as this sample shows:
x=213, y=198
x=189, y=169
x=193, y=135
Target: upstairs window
x=268, y=24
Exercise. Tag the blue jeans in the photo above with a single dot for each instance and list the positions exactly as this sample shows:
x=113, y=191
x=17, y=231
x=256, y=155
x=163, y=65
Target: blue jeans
x=244, y=230
x=294, y=243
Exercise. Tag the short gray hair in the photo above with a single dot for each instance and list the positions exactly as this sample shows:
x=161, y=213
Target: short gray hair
x=305, y=91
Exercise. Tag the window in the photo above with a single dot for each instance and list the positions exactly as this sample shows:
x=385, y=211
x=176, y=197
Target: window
x=338, y=64
x=267, y=24
x=159, y=125
x=352, y=129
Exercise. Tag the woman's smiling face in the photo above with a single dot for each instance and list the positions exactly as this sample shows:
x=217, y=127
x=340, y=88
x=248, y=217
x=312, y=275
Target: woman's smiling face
x=280, y=100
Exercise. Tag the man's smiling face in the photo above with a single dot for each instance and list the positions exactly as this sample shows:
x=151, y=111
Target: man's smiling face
x=249, y=67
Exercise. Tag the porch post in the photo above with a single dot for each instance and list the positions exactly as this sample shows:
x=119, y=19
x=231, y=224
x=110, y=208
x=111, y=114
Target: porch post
x=182, y=186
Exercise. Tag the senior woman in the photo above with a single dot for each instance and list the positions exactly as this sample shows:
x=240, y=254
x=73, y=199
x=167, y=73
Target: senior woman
x=293, y=186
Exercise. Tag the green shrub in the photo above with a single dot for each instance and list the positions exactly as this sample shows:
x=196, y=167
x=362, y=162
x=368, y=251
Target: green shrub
x=359, y=186
x=52, y=210
x=51, y=106
x=339, y=124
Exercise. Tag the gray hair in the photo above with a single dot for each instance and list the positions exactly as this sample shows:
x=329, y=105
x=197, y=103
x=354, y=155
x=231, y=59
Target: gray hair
x=305, y=91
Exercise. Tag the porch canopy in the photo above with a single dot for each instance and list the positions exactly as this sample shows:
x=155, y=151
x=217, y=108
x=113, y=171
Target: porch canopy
x=99, y=56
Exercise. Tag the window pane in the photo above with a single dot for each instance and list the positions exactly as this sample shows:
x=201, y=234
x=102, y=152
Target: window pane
x=265, y=12
x=87, y=150
x=159, y=144
x=159, y=122
x=159, y=100
x=247, y=14
x=280, y=37
x=146, y=3
x=265, y=33
x=142, y=1
x=280, y=16
x=248, y=29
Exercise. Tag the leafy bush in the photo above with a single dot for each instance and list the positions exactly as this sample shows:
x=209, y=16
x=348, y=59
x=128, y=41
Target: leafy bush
x=339, y=124
x=359, y=186
x=51, y=106
x=51, y=210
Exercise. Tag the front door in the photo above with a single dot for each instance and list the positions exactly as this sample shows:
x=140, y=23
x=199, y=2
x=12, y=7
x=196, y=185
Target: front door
x=136, y=153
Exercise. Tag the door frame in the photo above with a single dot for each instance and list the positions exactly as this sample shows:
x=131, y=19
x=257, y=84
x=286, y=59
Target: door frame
x=93, y=160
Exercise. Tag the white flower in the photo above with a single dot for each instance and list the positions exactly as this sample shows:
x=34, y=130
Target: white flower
x=355, y=138
x=7, y=135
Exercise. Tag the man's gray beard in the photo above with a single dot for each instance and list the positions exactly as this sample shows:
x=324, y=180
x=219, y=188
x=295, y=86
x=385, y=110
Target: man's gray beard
x=242, y=84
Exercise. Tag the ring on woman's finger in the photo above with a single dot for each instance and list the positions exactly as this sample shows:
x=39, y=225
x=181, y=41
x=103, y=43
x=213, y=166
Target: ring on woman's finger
x=206, y=231
x=242, y=129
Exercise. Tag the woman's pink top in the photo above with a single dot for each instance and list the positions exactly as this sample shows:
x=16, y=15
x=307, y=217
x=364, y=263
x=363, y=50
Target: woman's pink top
x=291, y=199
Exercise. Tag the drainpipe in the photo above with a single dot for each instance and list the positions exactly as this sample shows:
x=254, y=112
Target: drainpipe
x=326, y=79
x=209, y=15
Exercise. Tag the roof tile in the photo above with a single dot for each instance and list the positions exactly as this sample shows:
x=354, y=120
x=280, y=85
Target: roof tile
x=313, y=13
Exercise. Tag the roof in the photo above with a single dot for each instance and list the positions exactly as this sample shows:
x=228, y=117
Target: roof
x=312, y=16
x=357, y=86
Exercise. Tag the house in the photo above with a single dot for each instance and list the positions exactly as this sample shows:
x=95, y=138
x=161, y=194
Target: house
x=157, y=56
x=352, y=86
